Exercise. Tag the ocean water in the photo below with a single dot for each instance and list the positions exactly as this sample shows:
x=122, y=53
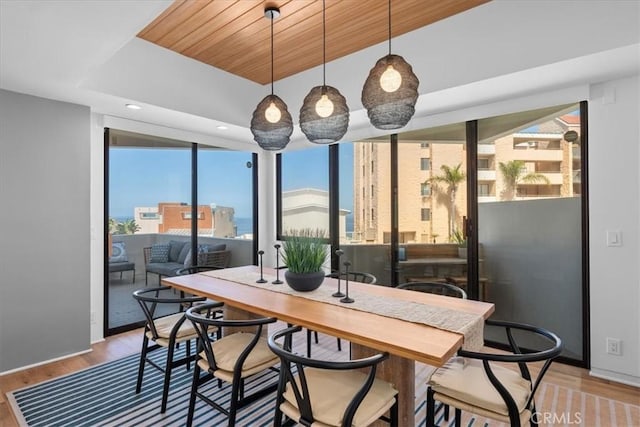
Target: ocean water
x=245, y=225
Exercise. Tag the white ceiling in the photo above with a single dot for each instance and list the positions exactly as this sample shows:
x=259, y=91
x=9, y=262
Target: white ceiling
x=86, y=52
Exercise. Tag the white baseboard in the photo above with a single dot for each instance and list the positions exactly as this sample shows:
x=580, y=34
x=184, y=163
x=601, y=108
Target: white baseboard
x=44, y=362
x=97, y=341
x=615, y=377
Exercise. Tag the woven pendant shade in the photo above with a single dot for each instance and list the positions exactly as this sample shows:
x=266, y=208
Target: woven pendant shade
x=393, y=109
x=271, y=123
x=271, y=136
x=324, y=130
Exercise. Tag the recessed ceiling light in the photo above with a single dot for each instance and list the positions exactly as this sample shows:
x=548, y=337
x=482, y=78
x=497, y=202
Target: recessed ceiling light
x=222, y=127
x=133, y=107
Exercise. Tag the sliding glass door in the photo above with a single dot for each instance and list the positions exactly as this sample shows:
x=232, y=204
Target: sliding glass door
x=149, y=192
x=160, y=193
x=530, y=220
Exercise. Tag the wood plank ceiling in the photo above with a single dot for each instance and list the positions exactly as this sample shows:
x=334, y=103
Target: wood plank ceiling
x=234, y=35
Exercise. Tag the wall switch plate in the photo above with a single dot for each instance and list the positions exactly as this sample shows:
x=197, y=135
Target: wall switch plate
x=614, y=346
x=614, y=238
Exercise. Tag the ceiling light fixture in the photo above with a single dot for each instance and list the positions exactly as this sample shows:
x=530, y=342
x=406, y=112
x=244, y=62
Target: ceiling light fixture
x=324, y=116
x=222, y=127
x=271, y=123
x=391, y=91
x=133, y=107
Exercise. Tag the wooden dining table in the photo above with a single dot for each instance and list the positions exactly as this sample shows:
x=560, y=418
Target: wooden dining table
x=368, y=332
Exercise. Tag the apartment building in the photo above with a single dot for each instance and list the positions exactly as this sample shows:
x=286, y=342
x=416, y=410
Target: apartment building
x=175, y=218
x=546, y=165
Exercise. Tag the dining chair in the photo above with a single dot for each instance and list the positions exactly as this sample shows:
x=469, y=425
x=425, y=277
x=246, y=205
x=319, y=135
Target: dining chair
x=486, y=384
x=330, y=393
x=439, y=288
x=238, y=355
x=354, y=276
x=164, y=332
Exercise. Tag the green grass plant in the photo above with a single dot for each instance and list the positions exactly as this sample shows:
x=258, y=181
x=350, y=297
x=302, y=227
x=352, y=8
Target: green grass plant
x=304, y=250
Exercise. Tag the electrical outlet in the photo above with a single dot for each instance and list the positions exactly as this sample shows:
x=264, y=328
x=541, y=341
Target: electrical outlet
x=93, y=317
x=614, y=346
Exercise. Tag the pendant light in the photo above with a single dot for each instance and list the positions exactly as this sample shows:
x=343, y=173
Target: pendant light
x=324, y=116
x=271, y=123
x=391, y=91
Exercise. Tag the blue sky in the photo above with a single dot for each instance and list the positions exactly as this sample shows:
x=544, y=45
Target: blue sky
x=144, y=177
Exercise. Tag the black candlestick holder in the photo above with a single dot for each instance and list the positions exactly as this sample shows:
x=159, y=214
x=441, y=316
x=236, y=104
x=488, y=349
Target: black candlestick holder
x=277, y=281
x=346, y=298
x=261, y=279
x=339, y=253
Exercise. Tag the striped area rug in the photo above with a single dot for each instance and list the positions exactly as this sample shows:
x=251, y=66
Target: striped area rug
x=104, y=395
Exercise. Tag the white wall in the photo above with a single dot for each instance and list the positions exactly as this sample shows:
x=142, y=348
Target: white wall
x=614, y=194
x=44, y=229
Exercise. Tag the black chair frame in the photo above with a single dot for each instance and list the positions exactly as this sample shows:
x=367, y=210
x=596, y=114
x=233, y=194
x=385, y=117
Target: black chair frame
x=301, y=392
x=517, y=356
x=148, y=299
x=203, y=324
x=438, y=288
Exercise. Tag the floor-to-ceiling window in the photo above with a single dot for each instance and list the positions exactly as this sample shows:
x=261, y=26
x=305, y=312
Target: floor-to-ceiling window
x=365, y=187
x=304, y=197
x=531, y=220
x=162, y=191
x=149, y=194
x=496, y=206
x=432, y=205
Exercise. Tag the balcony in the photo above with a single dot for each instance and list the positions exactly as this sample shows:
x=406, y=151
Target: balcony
x=486, y=149
x=486, y=175
x=123, y=309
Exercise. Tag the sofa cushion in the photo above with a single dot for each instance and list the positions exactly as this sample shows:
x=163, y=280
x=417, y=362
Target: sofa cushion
x=121, y=266
x=175, y=248
x=164, y=268
x=159, y=253
x=186, y=249
x=118, y=252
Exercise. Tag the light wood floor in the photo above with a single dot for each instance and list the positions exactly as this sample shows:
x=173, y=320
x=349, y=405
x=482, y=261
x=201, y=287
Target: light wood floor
x=122, y=345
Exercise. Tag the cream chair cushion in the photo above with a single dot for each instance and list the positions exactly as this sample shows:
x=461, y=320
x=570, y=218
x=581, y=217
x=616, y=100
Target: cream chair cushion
x=331, y=391
x=228, y=349
x=164, y=325
x=465, y=380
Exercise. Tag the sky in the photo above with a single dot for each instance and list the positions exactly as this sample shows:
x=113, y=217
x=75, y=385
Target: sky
x=143, y=177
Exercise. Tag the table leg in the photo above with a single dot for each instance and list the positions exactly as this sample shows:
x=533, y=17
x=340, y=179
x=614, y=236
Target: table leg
x=232, y=313
x=401, y=373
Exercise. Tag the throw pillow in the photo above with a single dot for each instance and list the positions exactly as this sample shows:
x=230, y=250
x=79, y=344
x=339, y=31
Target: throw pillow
x=159, y=252
x=201, y=259
x=174, y=250
x=118, y=252
x=186, y=249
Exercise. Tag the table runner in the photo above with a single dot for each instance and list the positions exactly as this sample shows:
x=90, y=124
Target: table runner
x=468, y=324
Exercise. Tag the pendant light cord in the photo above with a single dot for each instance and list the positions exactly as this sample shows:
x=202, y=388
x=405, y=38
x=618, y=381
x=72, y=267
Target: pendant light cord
x=272, y=18
x=324, y=46
x=389, y=26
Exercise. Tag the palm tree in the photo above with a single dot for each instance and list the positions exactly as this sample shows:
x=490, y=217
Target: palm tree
x=452, y=177
x=131, y=227
x=127, y=227
x=113, y=225
x=513, y=173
